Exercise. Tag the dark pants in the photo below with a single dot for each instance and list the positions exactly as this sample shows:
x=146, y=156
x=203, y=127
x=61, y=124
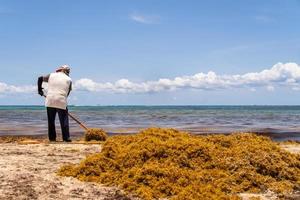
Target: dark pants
x=64, y=123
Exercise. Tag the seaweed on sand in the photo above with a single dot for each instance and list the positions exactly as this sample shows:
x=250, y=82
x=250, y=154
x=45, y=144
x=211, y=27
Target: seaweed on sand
x=166, y=163
x=95, y=134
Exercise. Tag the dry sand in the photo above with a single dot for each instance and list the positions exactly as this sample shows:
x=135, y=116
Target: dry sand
x=293, y=148
x=27, y=171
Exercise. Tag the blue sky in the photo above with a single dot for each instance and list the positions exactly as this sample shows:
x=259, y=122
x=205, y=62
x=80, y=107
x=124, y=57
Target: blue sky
x=144, y=41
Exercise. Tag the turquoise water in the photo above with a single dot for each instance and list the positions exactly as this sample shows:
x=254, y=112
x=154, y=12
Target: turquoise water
x=281, y=122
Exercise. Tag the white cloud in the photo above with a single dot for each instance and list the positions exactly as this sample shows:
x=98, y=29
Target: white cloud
x=5, y=88
x=144, y=19
x=279, y=75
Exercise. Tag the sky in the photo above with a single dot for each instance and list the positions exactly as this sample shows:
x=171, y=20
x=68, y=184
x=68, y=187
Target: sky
x=153, y=52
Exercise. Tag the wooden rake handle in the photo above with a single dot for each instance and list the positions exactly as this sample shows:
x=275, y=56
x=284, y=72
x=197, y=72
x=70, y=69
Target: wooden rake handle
x=76, y=120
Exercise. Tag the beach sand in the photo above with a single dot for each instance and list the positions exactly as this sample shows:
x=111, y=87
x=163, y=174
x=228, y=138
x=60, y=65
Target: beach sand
x=28, y=166
x=27, y=171
x=293, y=148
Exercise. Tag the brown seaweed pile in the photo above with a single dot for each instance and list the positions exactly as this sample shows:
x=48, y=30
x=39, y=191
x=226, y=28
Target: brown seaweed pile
x=95, y=134
x=166, y=163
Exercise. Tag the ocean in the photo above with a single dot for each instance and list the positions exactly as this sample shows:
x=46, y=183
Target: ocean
x=279, y=122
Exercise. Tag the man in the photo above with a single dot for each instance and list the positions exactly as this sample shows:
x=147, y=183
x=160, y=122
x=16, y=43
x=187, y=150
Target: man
x=59, y=87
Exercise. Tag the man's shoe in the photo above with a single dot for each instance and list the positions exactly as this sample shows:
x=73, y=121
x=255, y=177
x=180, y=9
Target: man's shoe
x=52, y=140
x=68, y=140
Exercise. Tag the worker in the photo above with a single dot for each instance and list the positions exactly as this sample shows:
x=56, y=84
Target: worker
x=59, y=88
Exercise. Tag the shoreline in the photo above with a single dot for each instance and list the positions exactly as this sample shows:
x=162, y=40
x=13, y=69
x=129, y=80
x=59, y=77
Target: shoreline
x=276, y=136
x=278, y=121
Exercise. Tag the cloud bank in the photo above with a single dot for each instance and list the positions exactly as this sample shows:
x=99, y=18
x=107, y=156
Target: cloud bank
x=280, y=75
x=12, y=89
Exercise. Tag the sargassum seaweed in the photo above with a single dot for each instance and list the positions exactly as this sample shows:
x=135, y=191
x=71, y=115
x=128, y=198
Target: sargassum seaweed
x=167, y=163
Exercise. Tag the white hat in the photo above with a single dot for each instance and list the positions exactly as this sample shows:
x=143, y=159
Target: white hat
x=65, y=68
